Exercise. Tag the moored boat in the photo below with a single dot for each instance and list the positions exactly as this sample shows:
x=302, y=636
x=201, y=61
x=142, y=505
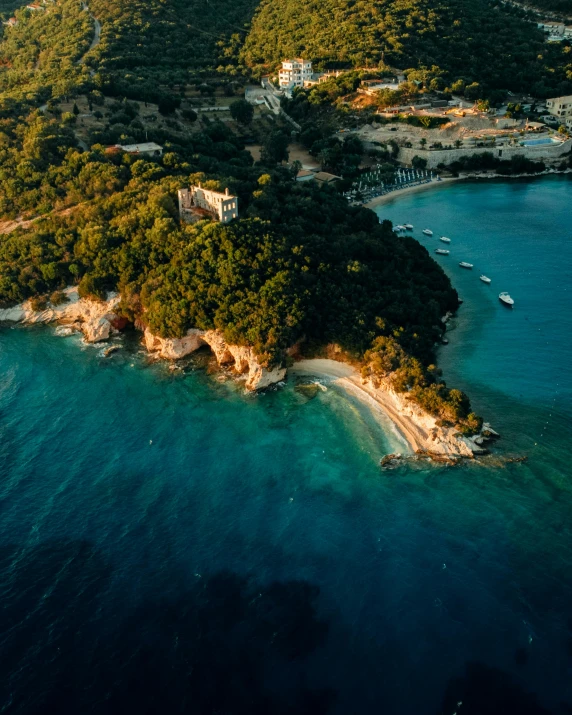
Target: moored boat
x=399, y=227
x=505, y=299
x=485, y=279
x=427, y=232
x=442, y=251
x=444, y=239
x=409, y=226
x=464, y=264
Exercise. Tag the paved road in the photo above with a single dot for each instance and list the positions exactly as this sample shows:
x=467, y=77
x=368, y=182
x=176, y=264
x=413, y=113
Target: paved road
x=96, y=33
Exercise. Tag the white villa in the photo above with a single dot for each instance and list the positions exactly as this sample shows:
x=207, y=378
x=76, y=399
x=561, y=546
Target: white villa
x=223, y=206
x=560, y=107
x=294, y=73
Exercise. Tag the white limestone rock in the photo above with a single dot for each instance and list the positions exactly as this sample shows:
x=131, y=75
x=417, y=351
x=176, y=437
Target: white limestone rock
x=93, y=317
x=242, y=358
x=174, y=348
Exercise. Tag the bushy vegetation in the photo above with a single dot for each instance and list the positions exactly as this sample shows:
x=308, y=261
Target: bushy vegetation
x=563, y=6
x=473, y=48
x=152, y=45
x=487, y=161
x=7, y=7
x=386, y=360
x=39, y=58
x=299, y=264
x=299, y=259
x=148, y=49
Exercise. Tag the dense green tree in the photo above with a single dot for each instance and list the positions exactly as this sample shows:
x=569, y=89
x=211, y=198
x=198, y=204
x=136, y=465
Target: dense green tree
x=242, y=111
x=461, y=43
x=275, y=148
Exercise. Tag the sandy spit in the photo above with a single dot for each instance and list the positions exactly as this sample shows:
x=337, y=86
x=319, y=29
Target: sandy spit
x=348, y=378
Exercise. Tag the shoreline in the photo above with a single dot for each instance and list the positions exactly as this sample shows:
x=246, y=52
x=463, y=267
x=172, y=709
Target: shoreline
x=398, y=193
x=418, y=428
x=347, y=377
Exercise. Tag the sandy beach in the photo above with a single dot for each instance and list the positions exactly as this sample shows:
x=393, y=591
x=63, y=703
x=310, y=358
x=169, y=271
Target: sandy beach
x=417, y=428
x=398, y=193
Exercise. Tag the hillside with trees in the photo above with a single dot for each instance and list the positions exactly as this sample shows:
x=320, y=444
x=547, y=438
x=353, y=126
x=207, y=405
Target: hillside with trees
x=558, y=6
x=471, y=46
x=146, y=44
x=39, y=58
x=298, y=266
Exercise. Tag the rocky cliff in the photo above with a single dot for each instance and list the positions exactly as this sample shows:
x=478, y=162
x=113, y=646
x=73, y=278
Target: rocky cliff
x=422, y=429
x=95, y=319
x=241, y=358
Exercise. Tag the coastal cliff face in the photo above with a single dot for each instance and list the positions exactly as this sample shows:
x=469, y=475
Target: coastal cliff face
x=422, y=429
x=242, y=358
x=95, y=319
x=173, y=348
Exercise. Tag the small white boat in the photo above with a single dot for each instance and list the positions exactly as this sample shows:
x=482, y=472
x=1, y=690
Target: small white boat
x=444, y=239
x=485, y=279
x=442, y=251
x=464, y=264
x=399, y=227
x=427, y=232
x=506, y=299
x=409, y=226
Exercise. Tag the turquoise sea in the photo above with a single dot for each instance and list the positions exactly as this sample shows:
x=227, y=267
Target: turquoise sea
x=169, y=544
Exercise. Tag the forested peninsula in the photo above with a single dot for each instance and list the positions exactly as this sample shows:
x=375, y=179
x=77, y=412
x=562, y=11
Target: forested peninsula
x=299, y=270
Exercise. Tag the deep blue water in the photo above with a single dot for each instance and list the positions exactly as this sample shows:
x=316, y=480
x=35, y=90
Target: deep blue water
x=169, y=544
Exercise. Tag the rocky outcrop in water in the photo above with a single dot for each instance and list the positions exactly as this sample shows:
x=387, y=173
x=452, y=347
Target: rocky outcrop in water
x=242, y=358
x=95, y=319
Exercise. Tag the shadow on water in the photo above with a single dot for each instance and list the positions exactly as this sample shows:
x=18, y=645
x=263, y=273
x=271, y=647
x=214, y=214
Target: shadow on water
x=484, y=690
x=224, y=646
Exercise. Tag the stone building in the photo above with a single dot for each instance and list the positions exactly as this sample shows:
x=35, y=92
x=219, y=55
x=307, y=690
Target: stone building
x=196, y=200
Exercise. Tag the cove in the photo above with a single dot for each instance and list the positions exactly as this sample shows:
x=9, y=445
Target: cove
x=163, y=533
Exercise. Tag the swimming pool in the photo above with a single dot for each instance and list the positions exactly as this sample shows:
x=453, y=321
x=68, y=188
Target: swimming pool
x=538, y=142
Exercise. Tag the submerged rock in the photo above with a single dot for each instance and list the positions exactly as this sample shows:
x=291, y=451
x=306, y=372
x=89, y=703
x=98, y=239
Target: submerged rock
x=110, y=350
x=309, y=390
x=391, y=461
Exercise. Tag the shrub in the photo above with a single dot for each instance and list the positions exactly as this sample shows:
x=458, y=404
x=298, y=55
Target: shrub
x=39, y=302
x=58, y=297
